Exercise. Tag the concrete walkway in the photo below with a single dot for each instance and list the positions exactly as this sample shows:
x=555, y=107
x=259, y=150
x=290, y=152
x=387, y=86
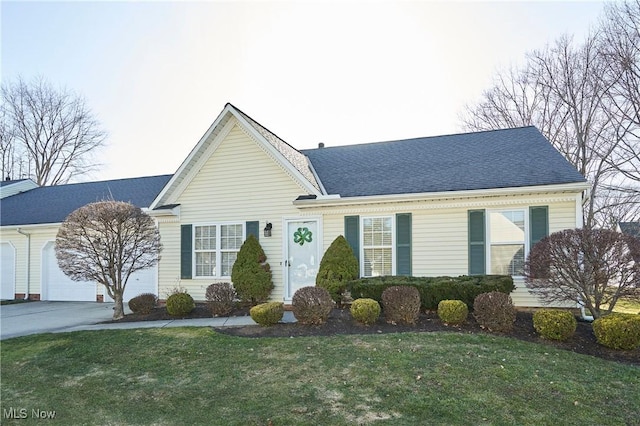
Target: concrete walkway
x=58, y=317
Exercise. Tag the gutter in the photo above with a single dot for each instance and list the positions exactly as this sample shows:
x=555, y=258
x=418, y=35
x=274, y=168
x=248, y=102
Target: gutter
x=337, y=200
x=26, y=234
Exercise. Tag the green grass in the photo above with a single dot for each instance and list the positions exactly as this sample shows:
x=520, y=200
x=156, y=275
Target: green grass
x=195, y=376
x=13, y=301
x=627, y=307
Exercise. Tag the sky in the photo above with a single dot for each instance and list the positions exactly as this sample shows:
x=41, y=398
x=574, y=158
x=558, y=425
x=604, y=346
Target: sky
x=156, y=74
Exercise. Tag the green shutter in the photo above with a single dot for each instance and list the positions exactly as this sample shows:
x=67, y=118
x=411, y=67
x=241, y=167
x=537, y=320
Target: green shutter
x=476, y=242
x=352, y=233
x=539, y=223
x=186, y=256
x=253, y=228
x=403, y=244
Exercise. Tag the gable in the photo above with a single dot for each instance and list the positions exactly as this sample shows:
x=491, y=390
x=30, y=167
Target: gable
x=239, y=174
x=292, y=161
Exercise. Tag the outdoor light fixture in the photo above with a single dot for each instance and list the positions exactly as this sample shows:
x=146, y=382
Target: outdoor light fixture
x=267, y=229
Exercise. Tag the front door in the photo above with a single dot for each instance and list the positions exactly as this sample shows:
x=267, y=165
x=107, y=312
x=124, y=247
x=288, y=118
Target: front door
x=302, y=258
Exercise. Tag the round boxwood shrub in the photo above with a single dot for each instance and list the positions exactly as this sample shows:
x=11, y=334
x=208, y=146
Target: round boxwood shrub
x=267, y=314
x=452, y=312
x=143, y=303
x=401, y=304
x=311, y=305
x=365, y=311
x=180, y=304
x=554, y=324
x=337, y=267
x=220, y=298
x=494, y=311
x=618, y=331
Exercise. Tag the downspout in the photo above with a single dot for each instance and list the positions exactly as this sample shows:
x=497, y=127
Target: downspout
x=583, y=312
x=20, y=231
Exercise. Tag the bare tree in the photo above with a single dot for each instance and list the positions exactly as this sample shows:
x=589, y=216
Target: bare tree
x=620, y=46
x=7, y=148
x=593, y=267
x=106, y=242
x=565, y=91
x=53, y=129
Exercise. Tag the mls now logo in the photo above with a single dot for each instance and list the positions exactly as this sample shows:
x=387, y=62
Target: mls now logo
x=23, y=413
x=14, y=413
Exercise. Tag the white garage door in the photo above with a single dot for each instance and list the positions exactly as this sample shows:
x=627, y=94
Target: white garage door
x=7, y=271
x=140, y=282
x=57, y=286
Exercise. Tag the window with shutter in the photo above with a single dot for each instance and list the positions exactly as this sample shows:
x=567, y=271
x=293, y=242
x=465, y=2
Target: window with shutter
x=499, y=240
x=209, y=251
x=476, y=234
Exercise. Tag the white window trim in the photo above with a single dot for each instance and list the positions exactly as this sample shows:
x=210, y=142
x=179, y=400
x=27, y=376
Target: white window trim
x=393, y=242
x=489, y=243
x=218, y=249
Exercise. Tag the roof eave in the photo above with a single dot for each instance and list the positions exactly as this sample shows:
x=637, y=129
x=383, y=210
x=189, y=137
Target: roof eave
x=195, y=152
x=333, y=200
x=308, y=186
x=163, y=212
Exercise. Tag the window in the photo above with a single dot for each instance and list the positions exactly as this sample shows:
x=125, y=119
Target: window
x=507, y=236
x=216, y=248
x=377, y=246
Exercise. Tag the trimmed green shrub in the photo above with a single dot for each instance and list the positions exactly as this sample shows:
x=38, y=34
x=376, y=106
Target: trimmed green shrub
x=180, y=304
x=554, y=324
x=338, y=266
x=220, y=298
x=251, y=275
x=143, y=303
x=267, y=314
x=434, y=289
x=452, y=312
x=618, y=331
x=401, y=304
x=494, y=311
x=365, y=311
x=311, y=305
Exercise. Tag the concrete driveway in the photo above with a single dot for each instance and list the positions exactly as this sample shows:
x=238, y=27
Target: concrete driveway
x=22, y=319
x=56, y=317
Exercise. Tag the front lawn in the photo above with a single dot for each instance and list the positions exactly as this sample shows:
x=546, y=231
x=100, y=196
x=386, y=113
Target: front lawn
x=627, y=307
x=196, y=376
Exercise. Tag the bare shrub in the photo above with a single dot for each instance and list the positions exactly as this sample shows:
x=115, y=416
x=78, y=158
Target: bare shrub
x=494, y=311
x=312, y=305
x=401, y=304
x=220, y=297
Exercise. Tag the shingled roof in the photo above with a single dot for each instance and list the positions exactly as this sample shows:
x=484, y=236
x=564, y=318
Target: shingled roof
x=52, y=204
x=630, y=228
x=492, y=159
x=295, y=157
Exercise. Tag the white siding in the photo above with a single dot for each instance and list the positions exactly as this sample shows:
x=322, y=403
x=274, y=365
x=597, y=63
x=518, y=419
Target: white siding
x=439, y=230
x=240, y=182
x=40, y=236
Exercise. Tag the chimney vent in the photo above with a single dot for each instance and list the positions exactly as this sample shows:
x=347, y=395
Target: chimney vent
x=321, y=145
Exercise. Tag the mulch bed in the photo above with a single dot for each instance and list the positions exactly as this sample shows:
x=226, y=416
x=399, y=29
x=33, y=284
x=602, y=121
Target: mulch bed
x=340, y=322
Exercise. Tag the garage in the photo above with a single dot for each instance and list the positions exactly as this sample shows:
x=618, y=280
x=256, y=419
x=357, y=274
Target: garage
x=140, y=282
x=7, y=271
x=57, y=286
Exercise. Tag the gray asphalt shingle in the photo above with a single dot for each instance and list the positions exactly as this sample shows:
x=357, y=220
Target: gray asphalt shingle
x=482, y=160
x=52, y=204
x=630, y=228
